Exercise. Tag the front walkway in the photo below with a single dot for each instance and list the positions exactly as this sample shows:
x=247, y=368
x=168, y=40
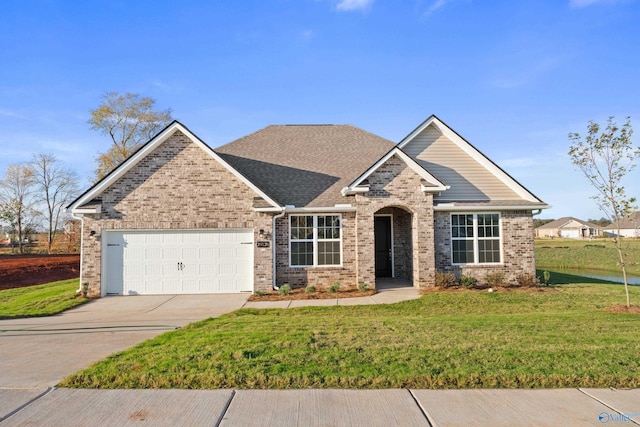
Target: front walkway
x=390, y=292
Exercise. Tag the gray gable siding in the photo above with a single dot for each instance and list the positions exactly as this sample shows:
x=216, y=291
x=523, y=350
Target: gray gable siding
x=468, y=179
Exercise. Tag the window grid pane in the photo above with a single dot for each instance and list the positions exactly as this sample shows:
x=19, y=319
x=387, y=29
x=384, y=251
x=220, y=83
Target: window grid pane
x=301, y=253
x=479, y=243
x=326, y=240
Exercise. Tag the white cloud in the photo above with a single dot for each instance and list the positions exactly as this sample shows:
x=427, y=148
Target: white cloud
x=306, y=35
x=437, y=4
x=578, y=4
x=12, y=114
x=349, y=5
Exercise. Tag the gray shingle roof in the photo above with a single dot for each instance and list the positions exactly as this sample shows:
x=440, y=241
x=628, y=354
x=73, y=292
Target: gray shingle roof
x=305, y=165
x=630, y=222
x=565, y=219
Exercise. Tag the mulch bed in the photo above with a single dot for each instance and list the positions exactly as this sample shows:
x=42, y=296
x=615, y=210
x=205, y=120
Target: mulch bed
x=17, y=271
x=300, y=294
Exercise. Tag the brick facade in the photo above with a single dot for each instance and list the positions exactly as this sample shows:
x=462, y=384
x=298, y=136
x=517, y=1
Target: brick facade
x=176, y=187
x=179, y=186
x=321, y=277
x=395, y=185
x=517, y=247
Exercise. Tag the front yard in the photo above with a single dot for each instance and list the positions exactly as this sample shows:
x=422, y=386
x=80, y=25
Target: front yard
x=40, y=300
x=557, y=338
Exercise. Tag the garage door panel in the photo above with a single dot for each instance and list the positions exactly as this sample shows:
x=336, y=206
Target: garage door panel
x=168, y=262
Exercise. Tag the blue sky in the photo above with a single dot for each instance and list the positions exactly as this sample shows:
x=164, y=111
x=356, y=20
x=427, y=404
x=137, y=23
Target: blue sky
x=513, y=78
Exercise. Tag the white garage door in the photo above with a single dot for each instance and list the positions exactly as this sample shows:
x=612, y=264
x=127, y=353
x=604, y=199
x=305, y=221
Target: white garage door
x=178, y=262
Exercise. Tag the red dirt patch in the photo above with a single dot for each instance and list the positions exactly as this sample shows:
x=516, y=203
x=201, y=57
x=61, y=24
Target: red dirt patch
x=300, y=294
x=623, y=309
x=17, y=271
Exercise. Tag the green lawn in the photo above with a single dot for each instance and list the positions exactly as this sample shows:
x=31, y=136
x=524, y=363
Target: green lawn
x=42, y=300
x=557, y=338
x=594, y=254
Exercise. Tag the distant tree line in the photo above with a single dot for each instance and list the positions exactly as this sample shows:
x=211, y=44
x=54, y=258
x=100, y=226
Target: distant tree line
x=33, y=195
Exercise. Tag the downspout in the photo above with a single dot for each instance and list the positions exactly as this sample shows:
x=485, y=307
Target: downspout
x=81, y=218
x=273, y=247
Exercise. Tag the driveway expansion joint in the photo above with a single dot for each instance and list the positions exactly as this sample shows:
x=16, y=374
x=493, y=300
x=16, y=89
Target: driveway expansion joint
x=606, y=404
x=422, y=410
x=225, y=409
x=21, y=407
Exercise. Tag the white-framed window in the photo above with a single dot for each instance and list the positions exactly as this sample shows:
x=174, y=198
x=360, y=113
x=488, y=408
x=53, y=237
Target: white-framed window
x=476, y=238
x=315, y=240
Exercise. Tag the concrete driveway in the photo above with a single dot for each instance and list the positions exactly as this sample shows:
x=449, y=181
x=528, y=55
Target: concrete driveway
x=37, y=353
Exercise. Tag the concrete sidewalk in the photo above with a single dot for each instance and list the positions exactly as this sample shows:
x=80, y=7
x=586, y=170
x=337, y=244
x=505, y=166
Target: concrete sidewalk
x=384, y=296
x=400, y=407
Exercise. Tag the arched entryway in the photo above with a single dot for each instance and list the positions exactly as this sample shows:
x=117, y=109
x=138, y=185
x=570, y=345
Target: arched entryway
x=393, y=247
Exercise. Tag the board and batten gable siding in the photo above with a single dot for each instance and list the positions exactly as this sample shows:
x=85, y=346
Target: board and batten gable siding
x=178, y=186
x=468, y=179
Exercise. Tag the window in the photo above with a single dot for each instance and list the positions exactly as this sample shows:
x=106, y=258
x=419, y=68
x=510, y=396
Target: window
x=315, y=240
x=475, y=238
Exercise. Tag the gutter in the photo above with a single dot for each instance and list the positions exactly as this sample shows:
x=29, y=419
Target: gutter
x=81, y=218
x=273, y=247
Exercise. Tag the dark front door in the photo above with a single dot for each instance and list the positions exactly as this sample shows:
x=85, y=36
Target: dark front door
x=382, y=231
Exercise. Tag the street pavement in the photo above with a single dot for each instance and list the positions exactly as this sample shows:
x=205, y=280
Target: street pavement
x=36, y=353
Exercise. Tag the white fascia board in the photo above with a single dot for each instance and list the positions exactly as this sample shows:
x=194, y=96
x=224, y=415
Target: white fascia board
x=152, y=145
x=409, y=161
x=87, y=210
x=474, y=153
x=330, y=209
x=346, y=191
x=461, y=208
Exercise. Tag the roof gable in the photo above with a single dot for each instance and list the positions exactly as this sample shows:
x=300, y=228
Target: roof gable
x=471, y=175
x=431, y=184
x=97, y=189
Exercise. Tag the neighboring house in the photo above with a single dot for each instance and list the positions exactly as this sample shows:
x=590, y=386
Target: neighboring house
x=629, y=226
x=570, y=228
x=302, y=204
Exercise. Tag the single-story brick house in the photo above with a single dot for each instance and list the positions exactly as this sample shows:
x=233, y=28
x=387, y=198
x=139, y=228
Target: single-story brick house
x=570, y=228
x=302, y=204
x=629, y=226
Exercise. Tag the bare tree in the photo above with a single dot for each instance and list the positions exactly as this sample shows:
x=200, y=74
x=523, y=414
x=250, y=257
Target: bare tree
x=605, y=157
x=129, y=121
x=16, y=199
x=55, y=188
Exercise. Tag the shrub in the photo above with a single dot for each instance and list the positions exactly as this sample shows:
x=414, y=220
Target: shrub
x=284, y=289
x=363, y=287
x=495, y=279
x=334, y=288
x=527, y=280
x=260, y=293
x=445, y=280
x=310, y=289
x=468, y=281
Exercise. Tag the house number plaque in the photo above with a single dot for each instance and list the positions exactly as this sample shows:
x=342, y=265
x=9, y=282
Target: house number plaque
x=263, y=243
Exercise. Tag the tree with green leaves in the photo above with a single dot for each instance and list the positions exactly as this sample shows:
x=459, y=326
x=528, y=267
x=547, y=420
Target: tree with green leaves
x=55, y=188
x=130, y=121
x=605, y=157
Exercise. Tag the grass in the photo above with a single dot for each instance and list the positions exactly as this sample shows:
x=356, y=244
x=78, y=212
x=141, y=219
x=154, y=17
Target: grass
x=558, y=338
x=594, y=254
x=42, y=300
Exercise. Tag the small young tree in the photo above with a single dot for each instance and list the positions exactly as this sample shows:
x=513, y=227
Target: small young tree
x=605, y=157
